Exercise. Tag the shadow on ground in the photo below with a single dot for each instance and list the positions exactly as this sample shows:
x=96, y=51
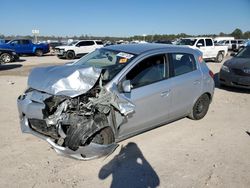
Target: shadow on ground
x=227, y=88
x=9, y=66
x=130, y=169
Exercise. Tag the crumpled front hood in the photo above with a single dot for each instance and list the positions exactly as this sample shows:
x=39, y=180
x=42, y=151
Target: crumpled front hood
x=67, y=80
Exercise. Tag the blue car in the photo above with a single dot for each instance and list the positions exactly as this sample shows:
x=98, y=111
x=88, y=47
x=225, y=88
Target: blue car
x=24, y=46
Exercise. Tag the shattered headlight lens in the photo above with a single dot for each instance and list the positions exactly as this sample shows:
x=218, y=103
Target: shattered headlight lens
x=225, y=68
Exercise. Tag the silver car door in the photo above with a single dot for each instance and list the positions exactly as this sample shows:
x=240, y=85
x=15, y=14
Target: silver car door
x=151, y=94
x=187, y=78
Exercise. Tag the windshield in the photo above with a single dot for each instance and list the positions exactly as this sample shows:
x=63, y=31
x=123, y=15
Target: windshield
x=72, y=43
x=189, y=42
x=244, y=53
x=112, y=62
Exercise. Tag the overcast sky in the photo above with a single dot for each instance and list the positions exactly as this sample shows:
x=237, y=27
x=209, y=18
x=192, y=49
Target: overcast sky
x=123, y=18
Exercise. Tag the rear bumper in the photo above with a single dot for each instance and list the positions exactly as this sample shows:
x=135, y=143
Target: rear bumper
x=230, y=79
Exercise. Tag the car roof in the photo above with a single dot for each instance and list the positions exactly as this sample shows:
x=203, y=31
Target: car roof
x=193, y=38
x=143, y=48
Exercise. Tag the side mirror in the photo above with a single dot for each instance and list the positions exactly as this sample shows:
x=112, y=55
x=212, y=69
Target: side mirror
x=126, y=86
x=232, y=54
x=199, y=45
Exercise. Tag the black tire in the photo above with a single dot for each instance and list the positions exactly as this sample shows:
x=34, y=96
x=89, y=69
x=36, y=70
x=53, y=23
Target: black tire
x=39, y=52
x=76, y=134
x=200, y=107
x=70, y=55
x=104, y=137
x=5, y=58
x=219, y=57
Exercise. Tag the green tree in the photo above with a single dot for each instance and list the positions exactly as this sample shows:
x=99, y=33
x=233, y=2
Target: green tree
x=237, y=33
x=246, y=35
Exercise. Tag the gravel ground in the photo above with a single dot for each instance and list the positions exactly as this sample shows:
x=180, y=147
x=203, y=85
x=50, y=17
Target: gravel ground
x=212, y=152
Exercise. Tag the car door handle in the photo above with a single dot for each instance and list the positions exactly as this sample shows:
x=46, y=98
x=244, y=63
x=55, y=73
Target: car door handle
x=165, y=93
x=197, y=82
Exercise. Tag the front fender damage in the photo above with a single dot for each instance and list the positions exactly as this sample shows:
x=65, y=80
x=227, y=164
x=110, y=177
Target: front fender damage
x=71, y=123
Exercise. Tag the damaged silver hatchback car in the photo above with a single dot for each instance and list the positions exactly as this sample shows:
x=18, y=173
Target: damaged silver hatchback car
x=84, y=109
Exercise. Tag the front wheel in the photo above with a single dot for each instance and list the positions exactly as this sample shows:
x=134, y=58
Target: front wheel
x=70, y=55
x=200, y=107
x=219, y=57
x=5, y=58
x=39, y=52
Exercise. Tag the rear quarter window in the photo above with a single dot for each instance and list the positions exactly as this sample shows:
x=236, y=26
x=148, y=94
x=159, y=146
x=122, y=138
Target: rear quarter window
x=182, y=63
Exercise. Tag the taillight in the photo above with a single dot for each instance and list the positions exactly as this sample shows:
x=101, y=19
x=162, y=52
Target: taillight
x=211, y=74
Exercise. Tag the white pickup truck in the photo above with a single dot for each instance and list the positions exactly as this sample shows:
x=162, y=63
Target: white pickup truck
x=207, y=47
x=77, y=48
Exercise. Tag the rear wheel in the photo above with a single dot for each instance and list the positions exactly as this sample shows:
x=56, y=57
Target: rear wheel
x=5, y=58
x=70, y=55
x=39, y=52
x=220, y=57
x=200, y=107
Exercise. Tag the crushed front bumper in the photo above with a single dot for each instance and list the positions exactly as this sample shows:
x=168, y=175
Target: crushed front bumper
x=91, y=151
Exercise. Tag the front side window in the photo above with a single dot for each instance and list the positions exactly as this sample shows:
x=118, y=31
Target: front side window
x=201, y=41
x=15, y=42
x=148, y=71
x=183, y=63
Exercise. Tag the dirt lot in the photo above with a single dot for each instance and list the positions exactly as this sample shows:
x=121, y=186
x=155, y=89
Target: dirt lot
x=212, y=152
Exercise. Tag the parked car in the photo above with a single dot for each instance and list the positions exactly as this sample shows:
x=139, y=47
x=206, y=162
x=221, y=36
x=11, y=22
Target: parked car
x=7, y=55
x=218, y=39
x=53, y=45
x=163, y=41
x=84, y=109
x=24, y=46
x=78, y=48
x=228, y=43
x=207, y=47
x=236, y=71
x=3, y=41
x=238, y=44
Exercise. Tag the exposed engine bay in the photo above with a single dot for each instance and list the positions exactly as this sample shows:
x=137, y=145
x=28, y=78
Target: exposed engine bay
x=76, y=124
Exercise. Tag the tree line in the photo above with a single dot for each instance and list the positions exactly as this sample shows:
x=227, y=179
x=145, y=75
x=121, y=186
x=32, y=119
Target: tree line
x=237, y=33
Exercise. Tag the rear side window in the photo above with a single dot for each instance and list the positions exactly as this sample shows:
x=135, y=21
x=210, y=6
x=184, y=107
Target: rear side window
x=86, y=43
x=99, y=42
x=182, y=63
x=209, y=42
x=25, y=42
